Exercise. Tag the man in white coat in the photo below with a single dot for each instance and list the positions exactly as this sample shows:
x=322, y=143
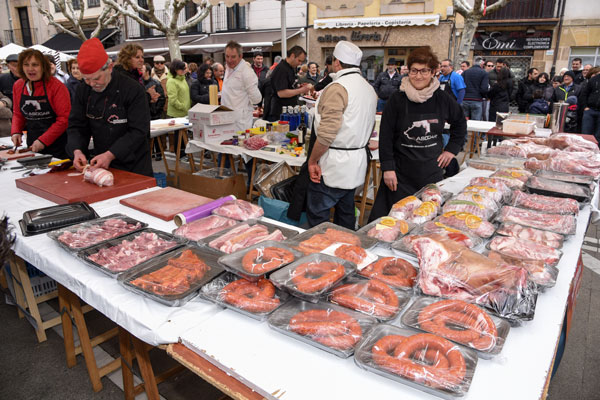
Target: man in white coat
x=240, y=86
x=344, y=120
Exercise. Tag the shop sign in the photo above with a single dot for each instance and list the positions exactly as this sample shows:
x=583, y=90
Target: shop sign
x=410, y=20
x=355, y=36
x=504, y=53
x=512, y=40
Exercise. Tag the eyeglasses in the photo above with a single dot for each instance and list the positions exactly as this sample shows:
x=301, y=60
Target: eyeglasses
x=422, y=71
x=92, y=116
x=490, y=65
x=158, y=62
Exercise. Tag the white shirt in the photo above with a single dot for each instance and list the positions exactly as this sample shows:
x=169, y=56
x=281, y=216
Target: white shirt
x=240, y=93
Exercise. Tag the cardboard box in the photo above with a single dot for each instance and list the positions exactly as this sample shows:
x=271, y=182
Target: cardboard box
x=213, y=187
x=213, y=133
x=206, y=114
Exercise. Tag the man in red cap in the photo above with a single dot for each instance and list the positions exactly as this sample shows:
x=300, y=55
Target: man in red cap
x=111, y=109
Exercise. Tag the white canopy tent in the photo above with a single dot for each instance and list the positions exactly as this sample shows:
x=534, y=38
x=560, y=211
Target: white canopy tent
x=47, y=50
x=9, y=49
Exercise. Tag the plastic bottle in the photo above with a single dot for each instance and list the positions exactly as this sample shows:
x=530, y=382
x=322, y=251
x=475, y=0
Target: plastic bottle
x=284, y=115
x=297, y=115
x=291, y=118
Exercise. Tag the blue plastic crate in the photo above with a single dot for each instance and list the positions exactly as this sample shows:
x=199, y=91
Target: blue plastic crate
x=161, y=179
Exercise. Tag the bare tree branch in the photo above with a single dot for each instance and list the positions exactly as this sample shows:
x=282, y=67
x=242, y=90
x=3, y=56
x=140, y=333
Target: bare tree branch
x=497, y=5
x=197, y=18
x=461, y=7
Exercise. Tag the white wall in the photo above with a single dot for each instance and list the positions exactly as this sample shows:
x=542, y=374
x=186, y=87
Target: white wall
x=266, y=14
x=582, y=9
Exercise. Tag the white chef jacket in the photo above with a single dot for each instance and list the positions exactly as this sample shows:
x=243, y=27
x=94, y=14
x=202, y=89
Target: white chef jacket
x=240, y=93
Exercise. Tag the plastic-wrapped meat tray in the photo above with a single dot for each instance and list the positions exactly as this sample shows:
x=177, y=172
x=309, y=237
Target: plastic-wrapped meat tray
x=386, y=229
x=173, y=243
x=214, y=292
x=561, y=176
x=79, y=231
x=206, y=242
x=234, y=262
x=359, y=239
x=389, y=311
x=551, y=187
x=353, y=326
x=139, y=280
x=46, y=219
x=411, y=318
x=426, y=379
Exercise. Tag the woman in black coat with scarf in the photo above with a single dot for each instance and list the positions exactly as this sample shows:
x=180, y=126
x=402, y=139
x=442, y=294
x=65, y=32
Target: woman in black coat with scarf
x=499, y=96
x=199, y=90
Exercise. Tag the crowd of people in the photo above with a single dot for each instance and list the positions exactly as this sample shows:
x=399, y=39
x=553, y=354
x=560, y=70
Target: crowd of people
x=113, y=102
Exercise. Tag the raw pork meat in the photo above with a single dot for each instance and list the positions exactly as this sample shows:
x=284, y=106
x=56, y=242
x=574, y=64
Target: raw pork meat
x=525, y=249
x=547, y=238
x=483, y=200
x=90, y=234
x=555, y=205
x=387, y=229
x=321, y=241
x=495, y=183
x=469, y=207
x=551, y=185
x=255, y=143
x=451, y=233
x=568, y=163
x=511, y=151
x=539, y=273
x=564, y=140
x=432, y=193
x=485, y=191
x=240, y=210
x=469, y=222
x=450, y=270
x=563, y=224
x=425, y=212
x=130, y=253
x=99, y=176
x=404, y=208
x=176, y=277
x=244, y=236
x=204, y=227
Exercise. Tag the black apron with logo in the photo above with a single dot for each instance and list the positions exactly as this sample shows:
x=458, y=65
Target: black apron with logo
x=416, y=161
x=39, y=116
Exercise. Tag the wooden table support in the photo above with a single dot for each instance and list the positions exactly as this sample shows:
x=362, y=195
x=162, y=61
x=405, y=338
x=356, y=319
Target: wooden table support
x=26, y=299
x=131, y=347
x=363, y=201
x=72, y=313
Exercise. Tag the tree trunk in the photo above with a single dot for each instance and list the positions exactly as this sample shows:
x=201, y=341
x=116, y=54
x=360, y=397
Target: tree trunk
x=465, y=40
x=173, y=41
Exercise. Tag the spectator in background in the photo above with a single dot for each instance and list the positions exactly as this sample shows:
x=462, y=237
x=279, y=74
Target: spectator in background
x=562, y=71
x=556, y=82
x=159, y=72
x=463, y=67
x=403, y=71
x=5, y=115
x=477, y=82
x=489, y=66
x=260, y=69
x=567, y=89
x=218, y=73
x=312, y=75
x=156, y=102
x=130, y=61
x=75, y=77
x=539, y=105
x=326, y=77
x=178, y=91
x=524, y=95
x=451, y=81
x=284, y=83
x=200, y=86
x=56, y=72
x=387, y=82
x=586, y=70
x=209, y=61
x=542, y=82
x=193, y=67
x=499, y=96
x=590, y=102
x=493, y=74
x=577, y=71
x=302, y=72
x=8, y=80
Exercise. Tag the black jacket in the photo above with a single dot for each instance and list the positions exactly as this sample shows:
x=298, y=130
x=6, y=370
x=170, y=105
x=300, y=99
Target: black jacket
x=561, y=94
x=6, y=84
x=500, y=97
x=199, y=90
x=524, y=95
x=477, y=81
x=156, y=108
x=72, y=84
x=385, y=86
x=590, y=95
x=327, y=79
x=118, y=119
x=579, y=78
x=493, y=76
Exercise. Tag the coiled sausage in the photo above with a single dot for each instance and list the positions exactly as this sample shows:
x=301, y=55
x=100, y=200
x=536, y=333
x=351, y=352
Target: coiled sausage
x=255, y=297
x=263, y=260
x=372, y=297
x=332, y=328
x=312, y=277
x=393, y=271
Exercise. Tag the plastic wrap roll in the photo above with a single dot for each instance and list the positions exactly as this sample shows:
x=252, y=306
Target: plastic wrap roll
x=201, y=211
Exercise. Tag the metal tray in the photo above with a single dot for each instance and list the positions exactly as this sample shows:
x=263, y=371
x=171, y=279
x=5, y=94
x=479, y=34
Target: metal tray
x=581, y=198
x=55, y=235
x=46, y=219
x=366, y=242
x=157, y=263
x=560, y=176
x=84, y=254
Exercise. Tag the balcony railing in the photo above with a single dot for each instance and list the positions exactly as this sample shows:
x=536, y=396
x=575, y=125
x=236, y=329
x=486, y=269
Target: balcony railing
x=22, y=37
x=221, y=19
x=525, y=9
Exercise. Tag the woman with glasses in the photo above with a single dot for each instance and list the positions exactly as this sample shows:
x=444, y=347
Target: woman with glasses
x=41, y=106
x=411, y=150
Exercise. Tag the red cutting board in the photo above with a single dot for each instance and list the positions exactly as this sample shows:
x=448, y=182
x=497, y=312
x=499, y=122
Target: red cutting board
x=61, y=188
x=165, y=203
x=5, y=154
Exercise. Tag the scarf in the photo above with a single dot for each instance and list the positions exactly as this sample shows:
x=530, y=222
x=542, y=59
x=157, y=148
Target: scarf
x=419, y=96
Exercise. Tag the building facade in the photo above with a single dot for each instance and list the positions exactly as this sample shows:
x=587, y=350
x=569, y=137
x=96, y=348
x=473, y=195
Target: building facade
x=22, y=24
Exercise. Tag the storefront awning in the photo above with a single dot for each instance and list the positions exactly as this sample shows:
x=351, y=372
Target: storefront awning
x=66, y=43
x=404, y=20
x=250, y=41
x=154, y=46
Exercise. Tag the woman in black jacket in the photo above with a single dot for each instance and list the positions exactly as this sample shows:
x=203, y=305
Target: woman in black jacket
x=499, y=96
x=199, y=90
x=543, y=83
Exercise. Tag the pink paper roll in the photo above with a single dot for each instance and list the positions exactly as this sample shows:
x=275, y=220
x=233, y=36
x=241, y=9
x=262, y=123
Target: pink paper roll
x=201, y=211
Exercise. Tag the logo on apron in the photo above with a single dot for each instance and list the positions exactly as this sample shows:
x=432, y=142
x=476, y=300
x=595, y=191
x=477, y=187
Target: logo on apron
x=420, y=133
x=114, y=119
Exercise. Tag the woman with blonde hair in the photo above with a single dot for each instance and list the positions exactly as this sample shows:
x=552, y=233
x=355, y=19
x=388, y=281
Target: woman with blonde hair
x=41, y=106
x=130, y=61
x=75, y=77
